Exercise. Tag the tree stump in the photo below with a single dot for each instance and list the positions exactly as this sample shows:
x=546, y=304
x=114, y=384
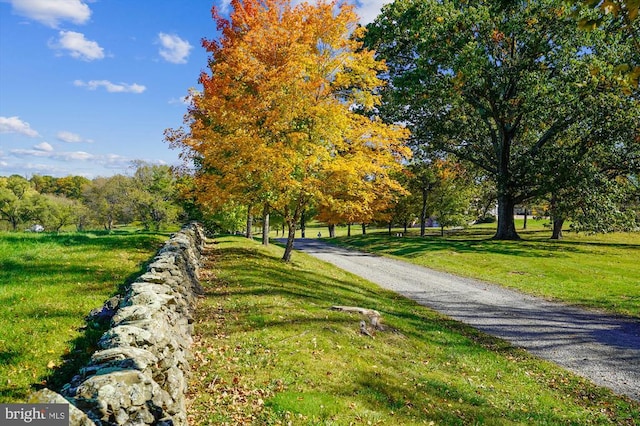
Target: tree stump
x=374, y=316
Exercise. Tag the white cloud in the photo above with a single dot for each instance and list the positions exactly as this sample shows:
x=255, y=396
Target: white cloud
x=77, y=155
x=15, y=125
x=115, y=161
x=70, y=137
x=111, y=87
x=368, y=10
x=185, y=100
x=44, y=146
x=174, y=49
x=78, y=46
x=64, y=156
x=52, y=12
x=225, y=6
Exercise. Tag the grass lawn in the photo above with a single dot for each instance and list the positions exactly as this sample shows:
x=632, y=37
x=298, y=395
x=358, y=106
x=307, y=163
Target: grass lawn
x=595, y=271
x=48, y=284
x=269, y=351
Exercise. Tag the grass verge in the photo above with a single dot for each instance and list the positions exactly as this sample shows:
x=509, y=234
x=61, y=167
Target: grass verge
x=48, y=284
x=269, y=351
x=595, y=271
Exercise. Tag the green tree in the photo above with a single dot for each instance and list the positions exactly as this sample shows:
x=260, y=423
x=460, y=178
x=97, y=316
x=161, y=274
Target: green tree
x=229, y=218
x=619, y=16
x=483, y=198
x=154, y=194
x=404, y=208
x=501, y=85
x=44, y=184
x=450, y=198
x=57, y=211
x=110, y=200
x=16, y=200
x=71, y=186
x=423, y=180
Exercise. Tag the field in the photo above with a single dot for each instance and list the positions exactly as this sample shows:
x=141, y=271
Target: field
x=270, y=351
x=48, y=284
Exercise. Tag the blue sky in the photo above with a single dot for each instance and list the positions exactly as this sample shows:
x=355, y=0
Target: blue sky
x=88, y=86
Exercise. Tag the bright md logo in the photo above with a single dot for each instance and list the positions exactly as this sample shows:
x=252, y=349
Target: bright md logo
x=34, y=414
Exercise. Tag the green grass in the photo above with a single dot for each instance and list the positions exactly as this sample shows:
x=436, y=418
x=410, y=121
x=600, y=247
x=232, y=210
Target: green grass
x=269, y=351
x=48, y=284
x=595, y=271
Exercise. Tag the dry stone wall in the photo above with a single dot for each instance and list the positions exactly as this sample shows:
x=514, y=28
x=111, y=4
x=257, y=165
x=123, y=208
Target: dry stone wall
x=139, y=374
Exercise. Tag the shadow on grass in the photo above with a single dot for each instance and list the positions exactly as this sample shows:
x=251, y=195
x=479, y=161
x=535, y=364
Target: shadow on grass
x=417, y=246
x=95, y=239
x=309, y=291
x=289, y=279
x=255, y=292
x=85, y=345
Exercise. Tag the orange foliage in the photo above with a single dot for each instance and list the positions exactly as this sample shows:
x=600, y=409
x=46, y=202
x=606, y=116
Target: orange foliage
x=275, y=121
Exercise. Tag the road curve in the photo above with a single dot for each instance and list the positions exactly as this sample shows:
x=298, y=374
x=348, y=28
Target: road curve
x=602, y=348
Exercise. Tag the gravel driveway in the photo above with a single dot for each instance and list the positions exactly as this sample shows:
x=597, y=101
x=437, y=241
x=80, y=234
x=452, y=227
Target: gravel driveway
x=603, y=348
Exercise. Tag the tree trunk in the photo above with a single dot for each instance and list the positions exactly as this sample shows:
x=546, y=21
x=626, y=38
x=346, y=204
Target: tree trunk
x=348, y=229
x=249, y=222
x=290, y=239
x=442, y=231
x=332, y=230
x=423, y=214
x=506, y=224
x=390, y=226
x=557, y=229
x=303, y=226
x=525, y=219
x=292, y=223
x=265, y=226
x=364, y=228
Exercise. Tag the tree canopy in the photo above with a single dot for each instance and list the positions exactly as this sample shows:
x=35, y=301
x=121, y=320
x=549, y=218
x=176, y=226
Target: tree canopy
x=278, y=119
x=510, y=87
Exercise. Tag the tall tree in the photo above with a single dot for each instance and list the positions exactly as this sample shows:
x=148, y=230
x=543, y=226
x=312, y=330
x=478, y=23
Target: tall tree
x=615, y=16
x=501, y=84
x=277, y=114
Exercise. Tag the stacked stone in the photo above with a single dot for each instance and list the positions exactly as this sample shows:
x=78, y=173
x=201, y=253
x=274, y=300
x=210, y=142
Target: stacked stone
x=139, y=375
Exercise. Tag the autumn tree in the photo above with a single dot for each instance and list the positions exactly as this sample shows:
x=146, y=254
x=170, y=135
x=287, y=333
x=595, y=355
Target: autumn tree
x=354, y=195
x=69, y=186
x=501, y=85
x=277, y=119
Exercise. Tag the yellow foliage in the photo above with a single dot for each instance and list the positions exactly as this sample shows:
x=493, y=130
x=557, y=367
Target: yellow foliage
x=275, y=122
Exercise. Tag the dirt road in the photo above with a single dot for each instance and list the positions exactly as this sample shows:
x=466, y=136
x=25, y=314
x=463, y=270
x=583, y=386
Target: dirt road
x=603, y=348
